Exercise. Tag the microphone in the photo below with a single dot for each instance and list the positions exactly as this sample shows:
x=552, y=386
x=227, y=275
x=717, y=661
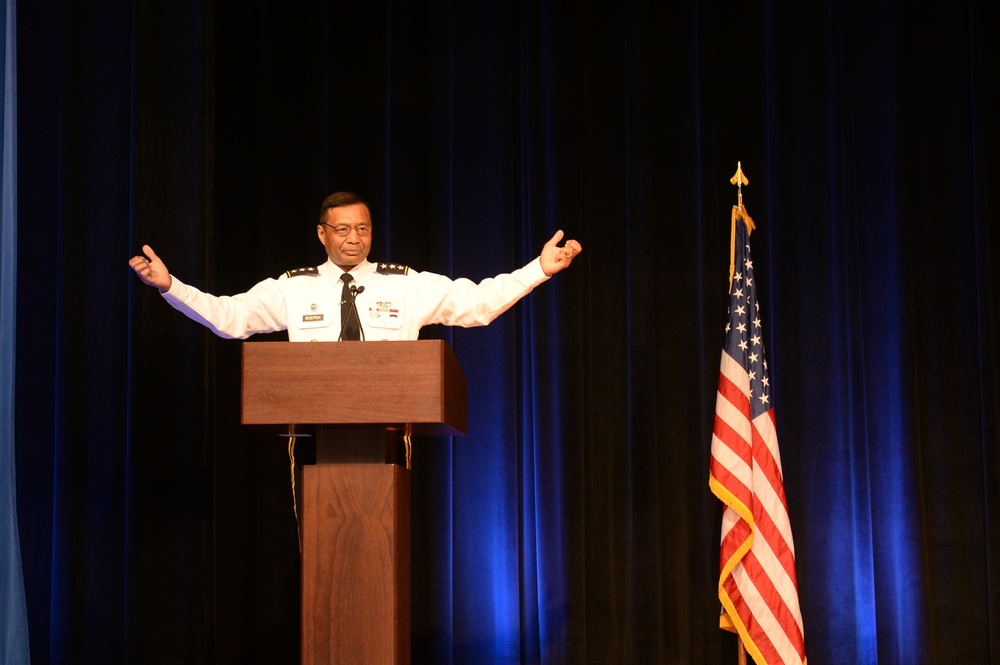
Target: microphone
x=353, y=326
x=355, y=292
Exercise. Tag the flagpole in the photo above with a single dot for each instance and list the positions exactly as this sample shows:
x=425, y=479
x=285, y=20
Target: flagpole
x=738, y=179
x=725, y=623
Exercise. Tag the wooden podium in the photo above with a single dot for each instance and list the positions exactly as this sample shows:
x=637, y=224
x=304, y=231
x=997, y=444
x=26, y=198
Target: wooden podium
x=355, y=514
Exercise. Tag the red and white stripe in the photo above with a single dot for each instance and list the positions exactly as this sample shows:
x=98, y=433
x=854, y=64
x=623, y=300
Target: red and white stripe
x=757, y=583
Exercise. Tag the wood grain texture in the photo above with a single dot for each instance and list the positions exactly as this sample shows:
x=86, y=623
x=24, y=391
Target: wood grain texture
x=356, y=564
x=417, y=382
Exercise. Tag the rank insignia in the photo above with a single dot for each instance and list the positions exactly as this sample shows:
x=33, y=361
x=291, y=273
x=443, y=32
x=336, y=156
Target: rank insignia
x=311, y=270
x=392, y=269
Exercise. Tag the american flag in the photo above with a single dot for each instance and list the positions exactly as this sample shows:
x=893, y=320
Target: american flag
x=757, y=583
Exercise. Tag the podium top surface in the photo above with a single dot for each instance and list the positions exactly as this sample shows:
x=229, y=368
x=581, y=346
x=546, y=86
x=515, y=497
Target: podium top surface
x=355, y=383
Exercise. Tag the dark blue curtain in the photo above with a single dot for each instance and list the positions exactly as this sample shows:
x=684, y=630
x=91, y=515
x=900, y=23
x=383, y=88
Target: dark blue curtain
x=13, y=615
x=574, y=523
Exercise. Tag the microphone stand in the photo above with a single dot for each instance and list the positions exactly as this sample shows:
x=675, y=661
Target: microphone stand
x=355, y=292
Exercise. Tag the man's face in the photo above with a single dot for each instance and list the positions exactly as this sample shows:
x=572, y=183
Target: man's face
x=355, y=223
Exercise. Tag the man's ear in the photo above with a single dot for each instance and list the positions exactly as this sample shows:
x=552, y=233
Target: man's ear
x=321, y=234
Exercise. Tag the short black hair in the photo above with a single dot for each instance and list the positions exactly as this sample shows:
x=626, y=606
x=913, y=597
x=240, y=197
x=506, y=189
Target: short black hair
x=339, y=199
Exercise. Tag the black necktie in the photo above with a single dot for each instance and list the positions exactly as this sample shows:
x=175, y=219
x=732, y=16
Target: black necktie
x=350, y=324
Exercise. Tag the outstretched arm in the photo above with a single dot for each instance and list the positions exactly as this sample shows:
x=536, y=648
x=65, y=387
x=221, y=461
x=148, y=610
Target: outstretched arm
x=150, y=269
x=555, y=258
x=261, y=309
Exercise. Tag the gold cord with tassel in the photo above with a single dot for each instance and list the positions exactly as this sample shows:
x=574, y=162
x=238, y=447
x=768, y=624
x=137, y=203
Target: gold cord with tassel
x=739, y=180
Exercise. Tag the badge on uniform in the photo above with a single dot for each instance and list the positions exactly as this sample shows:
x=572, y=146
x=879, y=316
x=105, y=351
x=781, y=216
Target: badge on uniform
x=383, y=308
x=392, y=269
x=311, y=270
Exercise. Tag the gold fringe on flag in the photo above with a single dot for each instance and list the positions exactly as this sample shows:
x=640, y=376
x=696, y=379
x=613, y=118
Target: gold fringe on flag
x=725, y=623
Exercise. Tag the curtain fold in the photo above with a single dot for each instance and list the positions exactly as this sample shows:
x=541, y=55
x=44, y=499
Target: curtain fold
x=13, y=614
x=574, y=523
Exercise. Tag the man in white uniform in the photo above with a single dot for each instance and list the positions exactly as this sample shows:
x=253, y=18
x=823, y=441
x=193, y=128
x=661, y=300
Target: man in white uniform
x=391, y=301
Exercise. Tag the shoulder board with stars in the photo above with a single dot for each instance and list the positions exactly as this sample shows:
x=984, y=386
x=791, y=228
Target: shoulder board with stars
x=311, y=270
x=392, y=269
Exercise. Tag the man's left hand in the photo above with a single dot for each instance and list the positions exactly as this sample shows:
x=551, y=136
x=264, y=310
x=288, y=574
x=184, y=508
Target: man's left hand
x=555, y=258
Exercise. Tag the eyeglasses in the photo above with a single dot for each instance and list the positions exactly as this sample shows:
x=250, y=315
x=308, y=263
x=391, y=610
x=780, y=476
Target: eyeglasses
x=344, y=230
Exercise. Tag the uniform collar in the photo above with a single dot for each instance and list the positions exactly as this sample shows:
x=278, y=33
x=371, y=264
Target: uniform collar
x=362, y=268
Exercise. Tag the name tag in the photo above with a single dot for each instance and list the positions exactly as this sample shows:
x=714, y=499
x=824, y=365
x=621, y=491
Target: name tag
x=307, y=318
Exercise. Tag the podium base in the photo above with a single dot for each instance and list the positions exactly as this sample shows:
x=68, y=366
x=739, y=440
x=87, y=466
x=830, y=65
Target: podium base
x=356, y=564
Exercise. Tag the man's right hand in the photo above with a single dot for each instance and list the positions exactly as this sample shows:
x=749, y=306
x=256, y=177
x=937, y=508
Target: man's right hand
x=150, y=269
